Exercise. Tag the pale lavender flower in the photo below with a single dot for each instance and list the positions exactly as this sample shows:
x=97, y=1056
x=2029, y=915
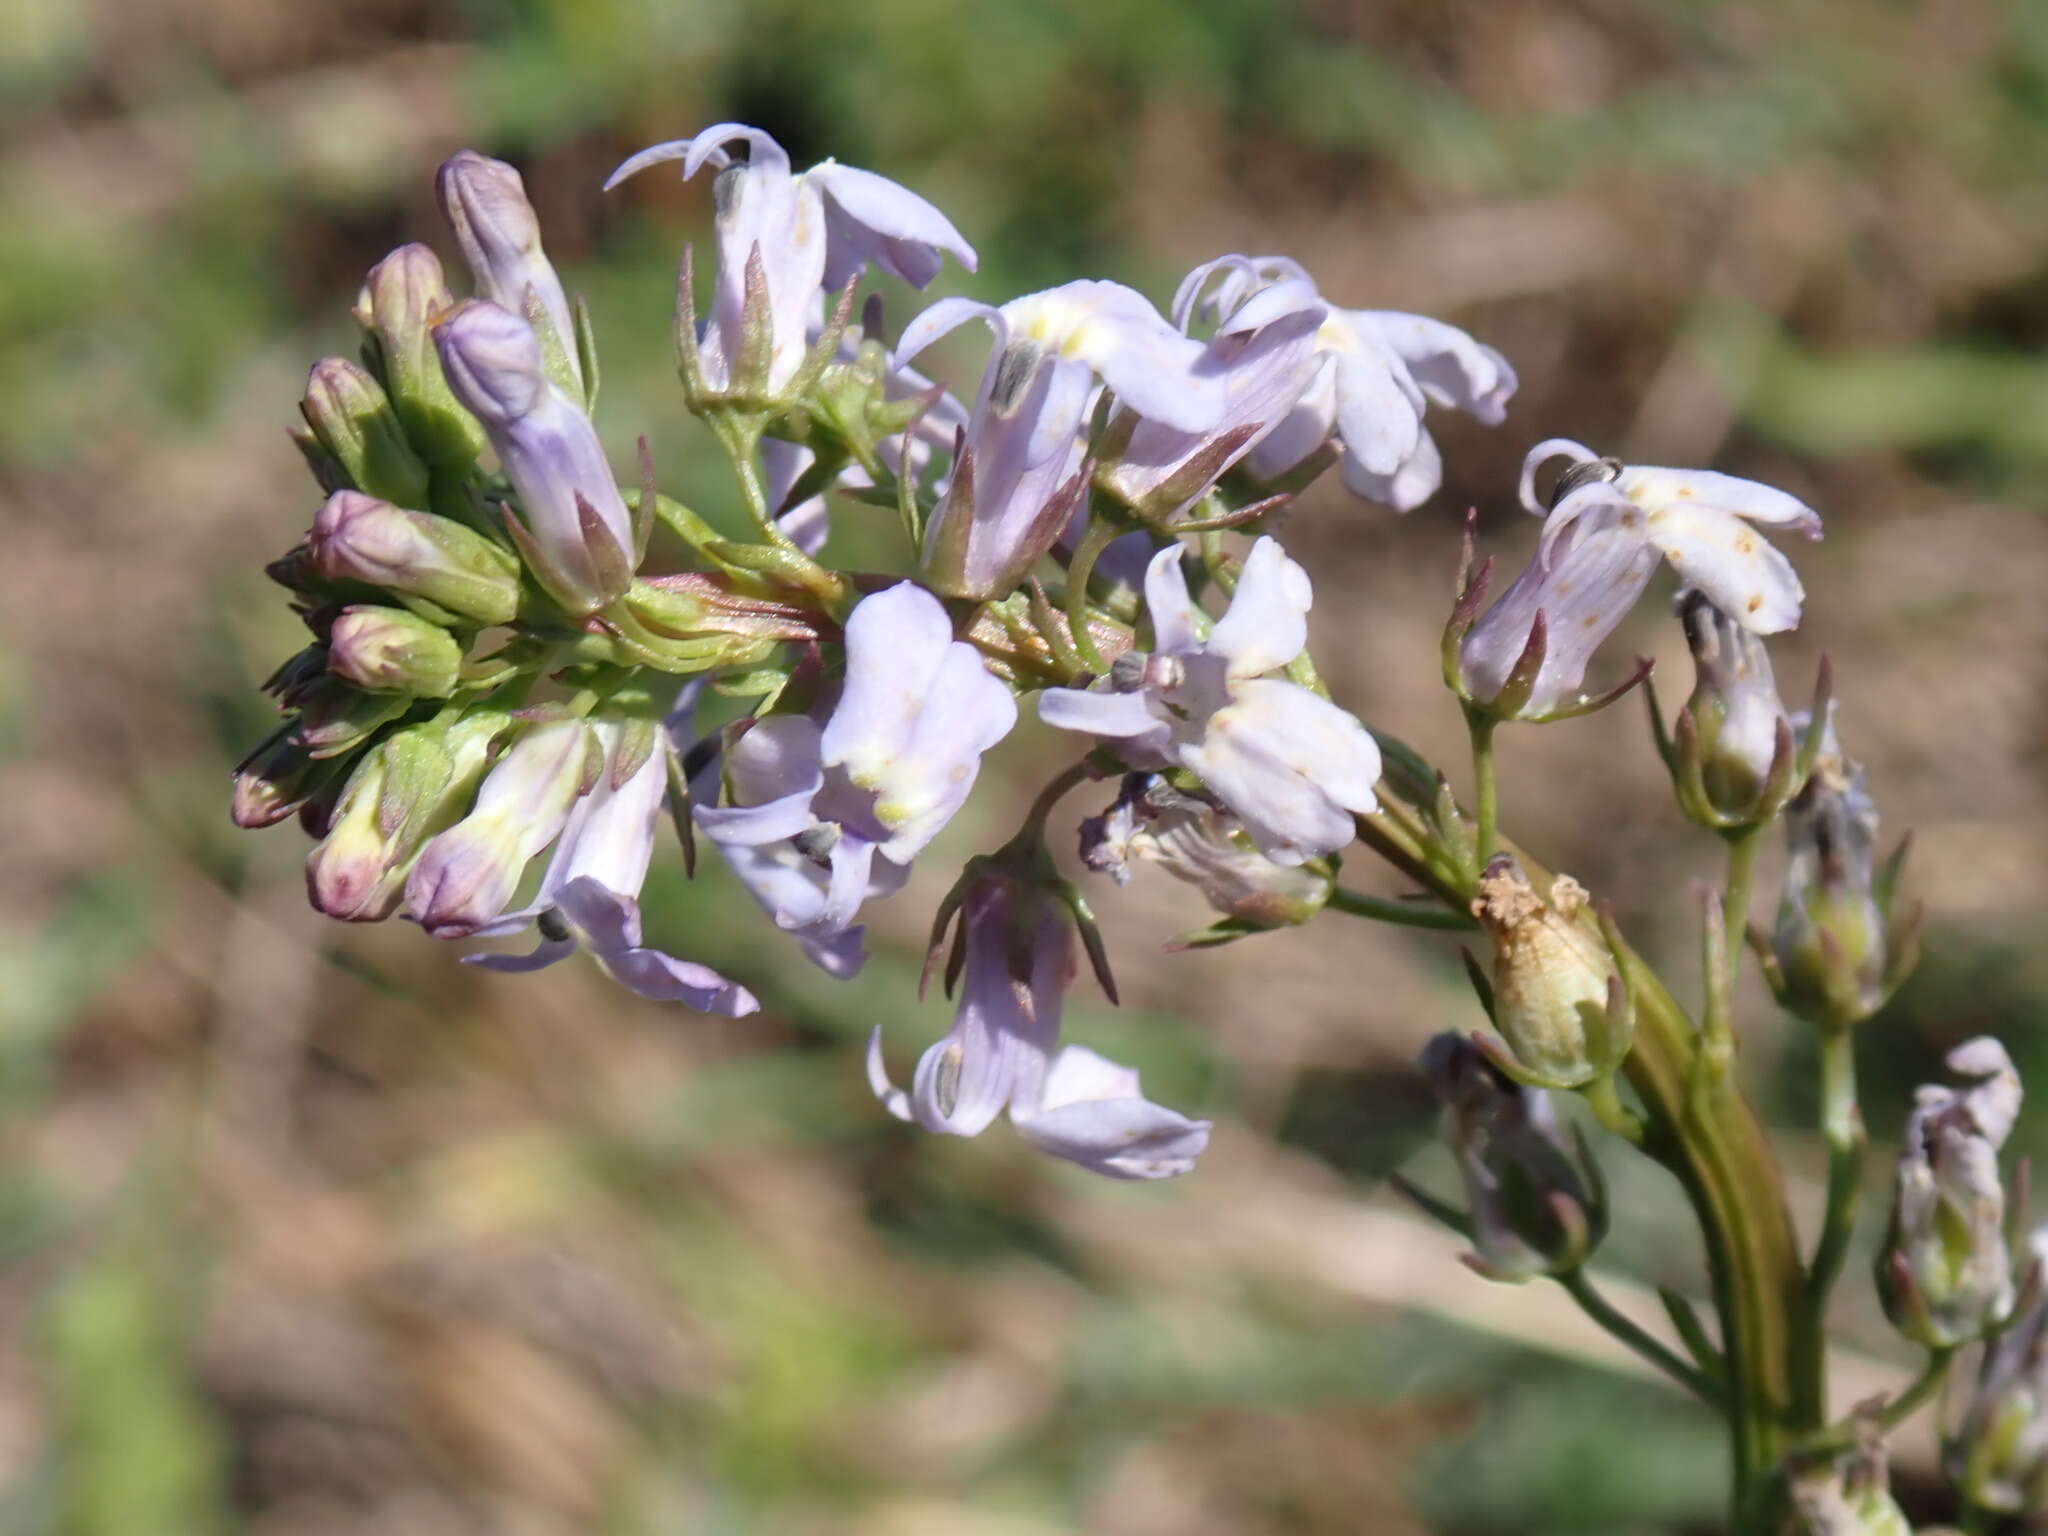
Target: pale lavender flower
x=1944, y=1272
x=485, y=203
x=1582, y=586
x=1700, y=521
x=1291, y=766
x=1265, y=353
x=467, y=874
x=1382, y=371
x=806, y=232
x=1019, y=960
x=1018, y=477
x=589, y=896
x=858, y=798
x=573, y=528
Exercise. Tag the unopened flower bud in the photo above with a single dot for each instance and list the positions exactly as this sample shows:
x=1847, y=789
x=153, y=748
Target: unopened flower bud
x=1849, y=1495
x=467, y=874
x=1736, y=723
x=409, y=787
x=404, y=297
x=485, y=202
x=574, y=530
x=353, y=419
x=1944, y=1272
x=414, y=554
x=336, y=717
x=1833, y=953
x=1532, y=1207
x=278, y=778
x=1999, y=1457
x=388, y=650
x=1556, y=995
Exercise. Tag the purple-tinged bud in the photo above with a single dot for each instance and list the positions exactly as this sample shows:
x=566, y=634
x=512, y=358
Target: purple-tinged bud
x=414, y=554
x=354, y=421
x=404, y=297
x=572, y=528
x=389, y=650
x=274, y=781
x=335, y=718
x=1944, y=1273
x=412, y=785
x=1999, y=1457
x=1557, y=998
x=1837, y=953
x=485, y=203
x=325, y=466
x=466, y=875
x=1533, y=1208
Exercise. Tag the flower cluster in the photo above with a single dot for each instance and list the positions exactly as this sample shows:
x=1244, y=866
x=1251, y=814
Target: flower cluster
x=504, y=707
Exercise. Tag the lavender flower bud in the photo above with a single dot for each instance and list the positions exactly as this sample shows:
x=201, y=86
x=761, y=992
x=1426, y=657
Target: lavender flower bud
x=1999, y=1457
x=574, y=530
x=1944, y=1273
x=278, y=778
x=1553, y=979
x=388, y=650
x=408, y=788
x=404, y=297
x=1830, y=942
x=467, y=874
x=1735, y=709
x=1533, y=1210
x=354, y=422
x=485, y=203
x=414, y=554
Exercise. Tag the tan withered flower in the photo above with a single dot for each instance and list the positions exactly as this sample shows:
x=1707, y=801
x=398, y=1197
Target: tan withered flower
x=1553, y=978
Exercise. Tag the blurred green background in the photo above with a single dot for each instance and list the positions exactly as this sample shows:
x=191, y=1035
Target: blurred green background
x=306, y=1230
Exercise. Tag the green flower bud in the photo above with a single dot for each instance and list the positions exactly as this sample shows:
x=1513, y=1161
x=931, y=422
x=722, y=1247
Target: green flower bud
x=1999, y=1457
x=403, y=296
x=388, y=650
x=357, y=538
x=415, y=783
x=352, y=417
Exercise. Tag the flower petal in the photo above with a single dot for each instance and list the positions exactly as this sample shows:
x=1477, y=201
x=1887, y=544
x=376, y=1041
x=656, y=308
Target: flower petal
x=1093, y=1114
x=874, y=219
x=1656, y=490
x=1292, y=766
x=1376, y=416
x=608, y=922
x=1167, y=602
x=1741, y=573
x=935, y=320
x=897, y=640
x=1452, y=369
x=930, y=779
x=1550, y=448
x=1266, y=625
x=1118, y=716
x=1412, y=483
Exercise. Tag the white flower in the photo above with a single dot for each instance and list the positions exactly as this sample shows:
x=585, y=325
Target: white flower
x=1291, y=766
x=1700, y=521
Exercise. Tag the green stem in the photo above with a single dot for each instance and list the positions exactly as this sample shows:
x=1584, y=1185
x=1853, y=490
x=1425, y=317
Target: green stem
x=1408, y=914
x=1842, y=1127
x=1486, y=791
x=1742, y=850
x=1636, y=1337
x=1079, y=569
x=1840, y=1437
x=741, y=440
